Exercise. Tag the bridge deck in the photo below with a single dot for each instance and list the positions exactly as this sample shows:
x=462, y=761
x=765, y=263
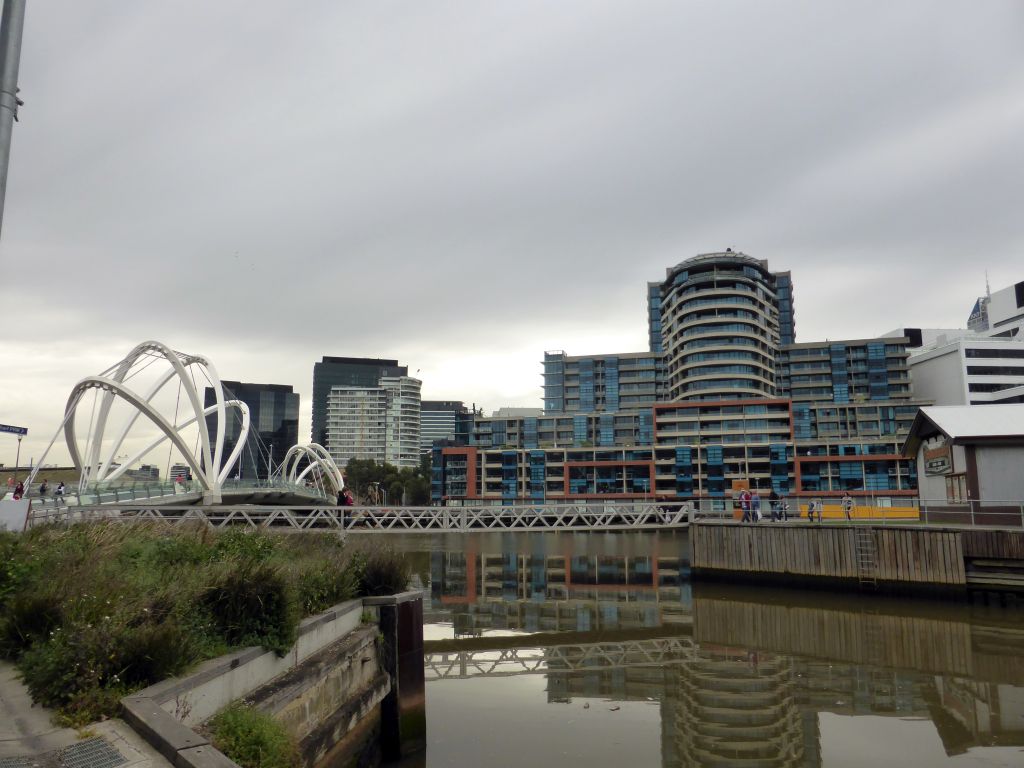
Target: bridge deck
x=594, y=517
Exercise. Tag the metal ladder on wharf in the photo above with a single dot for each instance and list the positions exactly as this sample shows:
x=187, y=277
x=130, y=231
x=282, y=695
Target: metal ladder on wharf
x=867, y=556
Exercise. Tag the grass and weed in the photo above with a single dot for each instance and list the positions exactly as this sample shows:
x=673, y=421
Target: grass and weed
x=253, y=739
x=90, y=613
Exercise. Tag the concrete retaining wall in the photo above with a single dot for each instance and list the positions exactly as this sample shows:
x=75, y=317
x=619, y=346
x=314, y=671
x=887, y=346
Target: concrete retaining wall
x=328, y=685
x=336, y=691
x=194, y=699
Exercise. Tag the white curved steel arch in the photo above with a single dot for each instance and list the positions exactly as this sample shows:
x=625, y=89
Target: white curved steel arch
x=228, y=465
x=111, y=389
x=104, y=468
x=112, y=383
x=318, y=457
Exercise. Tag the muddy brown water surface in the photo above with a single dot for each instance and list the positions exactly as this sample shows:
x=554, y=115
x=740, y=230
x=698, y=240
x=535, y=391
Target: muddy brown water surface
x=595, y=649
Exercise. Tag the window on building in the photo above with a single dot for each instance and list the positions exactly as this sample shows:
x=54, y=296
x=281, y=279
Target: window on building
x=956, y=489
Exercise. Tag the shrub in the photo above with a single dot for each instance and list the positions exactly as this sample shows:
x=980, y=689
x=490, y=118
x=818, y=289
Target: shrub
x=253, y=604
x=323, y=585
x=253, y=739
x=153, y=652
x=384, y=572
x=244, y=545
x=85, y=671
x=8, y=564
x=167, y=552
x=62, y=670
x=92, y=612
x=28, y=618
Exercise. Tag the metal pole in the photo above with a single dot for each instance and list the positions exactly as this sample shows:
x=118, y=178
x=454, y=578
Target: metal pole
x=17, y=458
x=11, y=23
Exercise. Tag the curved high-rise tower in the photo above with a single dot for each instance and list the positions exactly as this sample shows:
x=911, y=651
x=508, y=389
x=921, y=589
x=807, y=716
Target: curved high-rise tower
x=723, y=318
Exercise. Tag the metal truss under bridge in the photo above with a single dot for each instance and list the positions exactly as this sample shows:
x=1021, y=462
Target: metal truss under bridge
x=533, y=517
x=564, y=659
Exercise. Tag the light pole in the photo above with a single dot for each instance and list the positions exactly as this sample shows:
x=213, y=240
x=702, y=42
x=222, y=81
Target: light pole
x=11, y=24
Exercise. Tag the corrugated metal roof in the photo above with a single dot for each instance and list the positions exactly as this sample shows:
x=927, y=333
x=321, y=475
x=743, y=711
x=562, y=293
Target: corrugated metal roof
x=983, y=421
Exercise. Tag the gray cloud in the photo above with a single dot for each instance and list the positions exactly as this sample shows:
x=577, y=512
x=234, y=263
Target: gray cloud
x=463, y=186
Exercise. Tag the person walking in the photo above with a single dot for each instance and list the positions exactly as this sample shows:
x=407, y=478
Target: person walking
x=773, y=502
x=745, y=505
x=58, y=494
x=784, y=508
x=43, y=489
x=821, y=508
x=19, y=490
x=848, y=506
x=755, y=506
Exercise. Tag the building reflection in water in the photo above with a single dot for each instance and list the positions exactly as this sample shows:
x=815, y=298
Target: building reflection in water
x=740, y=676
x=562, y=592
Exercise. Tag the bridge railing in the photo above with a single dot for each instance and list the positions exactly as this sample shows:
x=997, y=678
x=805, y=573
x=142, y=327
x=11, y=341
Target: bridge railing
x=620, y=516
x=881, y=510
x=593, y=516
x=127, y=492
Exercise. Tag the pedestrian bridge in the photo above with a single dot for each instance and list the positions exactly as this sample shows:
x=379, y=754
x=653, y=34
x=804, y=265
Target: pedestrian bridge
x=135, y=399
x=558, y=658
x=277, y=490
x=532, y=517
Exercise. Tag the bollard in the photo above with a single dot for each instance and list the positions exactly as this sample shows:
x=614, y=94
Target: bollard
x=403, y=711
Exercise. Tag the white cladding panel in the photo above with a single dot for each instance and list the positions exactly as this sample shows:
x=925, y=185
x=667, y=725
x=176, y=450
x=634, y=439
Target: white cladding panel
x=940, y=378
x=999, y=472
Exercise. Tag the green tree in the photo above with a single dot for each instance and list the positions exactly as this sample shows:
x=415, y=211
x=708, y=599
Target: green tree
x=411, y=484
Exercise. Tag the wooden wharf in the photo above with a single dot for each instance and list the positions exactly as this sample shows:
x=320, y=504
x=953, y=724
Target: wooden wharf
x=909, y=557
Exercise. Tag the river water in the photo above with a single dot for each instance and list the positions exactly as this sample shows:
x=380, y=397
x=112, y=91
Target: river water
x=595, y=649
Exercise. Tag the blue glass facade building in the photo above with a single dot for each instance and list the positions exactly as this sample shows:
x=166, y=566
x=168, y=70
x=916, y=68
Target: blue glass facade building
x=723, y=396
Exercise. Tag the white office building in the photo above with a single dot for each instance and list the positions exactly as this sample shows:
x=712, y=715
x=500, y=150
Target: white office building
x=380, y=423
x=974, y=367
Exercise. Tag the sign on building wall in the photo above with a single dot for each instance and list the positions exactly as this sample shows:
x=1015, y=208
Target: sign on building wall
x=938, y=461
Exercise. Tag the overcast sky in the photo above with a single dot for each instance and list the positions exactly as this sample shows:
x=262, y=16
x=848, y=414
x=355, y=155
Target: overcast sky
x=464, y=185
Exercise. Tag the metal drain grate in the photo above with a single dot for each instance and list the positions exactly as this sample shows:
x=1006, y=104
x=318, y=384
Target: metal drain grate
x=18, y=762
x=92, y=753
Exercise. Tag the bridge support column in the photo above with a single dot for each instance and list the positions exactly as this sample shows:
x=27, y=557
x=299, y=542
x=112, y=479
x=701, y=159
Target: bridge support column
x=211, y=497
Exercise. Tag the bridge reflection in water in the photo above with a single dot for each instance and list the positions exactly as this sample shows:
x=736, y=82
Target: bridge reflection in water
x=738, y=675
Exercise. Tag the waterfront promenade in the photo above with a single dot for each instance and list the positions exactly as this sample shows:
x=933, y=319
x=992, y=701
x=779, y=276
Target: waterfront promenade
x=29, y=737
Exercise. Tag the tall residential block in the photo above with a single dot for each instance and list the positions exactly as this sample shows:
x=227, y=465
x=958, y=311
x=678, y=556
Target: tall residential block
x=723, y=319
x=346, y=372
x=845, y=371
x=273, y=425
x=379, y=422
x=613, y=382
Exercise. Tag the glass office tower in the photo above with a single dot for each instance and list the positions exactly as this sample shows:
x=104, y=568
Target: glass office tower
x=273, y=426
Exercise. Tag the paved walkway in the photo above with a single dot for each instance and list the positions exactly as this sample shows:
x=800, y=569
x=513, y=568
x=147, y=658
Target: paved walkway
x=26, y=729
x=28, y=736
